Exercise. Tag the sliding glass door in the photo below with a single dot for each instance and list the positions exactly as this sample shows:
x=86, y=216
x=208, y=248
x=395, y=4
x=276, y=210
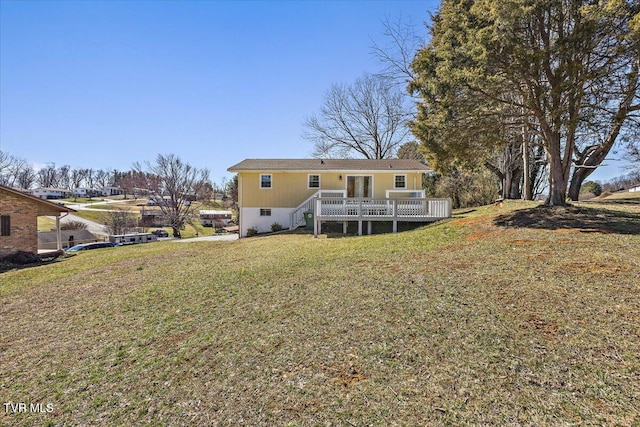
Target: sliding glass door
x=359, y=186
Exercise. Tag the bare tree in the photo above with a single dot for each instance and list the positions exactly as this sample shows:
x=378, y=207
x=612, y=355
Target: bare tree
x=119, y=221
x=77, y=176
x=47, y=176
x=100, y=177
x=62, y=177
x=633, y=153
x=15, y=172
x=5, y=162
x=397, y=53
x=25, y=176
x=366, y=119
x=171, y=177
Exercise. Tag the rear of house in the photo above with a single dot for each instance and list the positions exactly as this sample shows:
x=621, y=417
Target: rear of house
x=281, y=190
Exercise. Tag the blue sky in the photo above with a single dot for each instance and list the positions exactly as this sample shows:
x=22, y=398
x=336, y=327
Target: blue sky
x=104, y=84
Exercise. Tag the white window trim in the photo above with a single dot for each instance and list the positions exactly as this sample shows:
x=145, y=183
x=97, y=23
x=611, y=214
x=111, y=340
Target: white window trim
x=319, y=181
x=405, y=182
x=270, y=180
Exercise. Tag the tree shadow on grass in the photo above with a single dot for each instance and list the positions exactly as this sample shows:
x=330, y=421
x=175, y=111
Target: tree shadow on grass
x=572, y=217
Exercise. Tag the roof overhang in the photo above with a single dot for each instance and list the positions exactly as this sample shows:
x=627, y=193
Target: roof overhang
x=45, y=207
x=344, y=166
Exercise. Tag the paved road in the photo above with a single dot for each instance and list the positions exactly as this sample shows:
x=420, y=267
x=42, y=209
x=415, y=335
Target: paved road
x=92, y=226
x=86, y=206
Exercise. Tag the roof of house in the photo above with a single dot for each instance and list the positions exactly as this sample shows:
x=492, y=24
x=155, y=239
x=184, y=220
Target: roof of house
x=214, y=212
x=54, y=189
x=45, y=207
x=328, y=165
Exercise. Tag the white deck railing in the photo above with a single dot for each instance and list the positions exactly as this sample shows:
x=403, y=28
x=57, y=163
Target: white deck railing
x=296, y=218
x=371, y=209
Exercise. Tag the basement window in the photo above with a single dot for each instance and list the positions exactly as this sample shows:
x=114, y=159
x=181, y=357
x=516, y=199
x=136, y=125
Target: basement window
x=265, y=212
x=5, y=225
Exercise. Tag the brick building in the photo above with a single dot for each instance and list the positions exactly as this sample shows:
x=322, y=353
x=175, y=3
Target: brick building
x=19, y=214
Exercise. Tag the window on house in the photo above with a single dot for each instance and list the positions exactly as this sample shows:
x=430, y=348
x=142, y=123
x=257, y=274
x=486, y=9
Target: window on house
x=314, y=181
x=265, y=181
x=400, y=181
x=5, y=225
x=265, y=212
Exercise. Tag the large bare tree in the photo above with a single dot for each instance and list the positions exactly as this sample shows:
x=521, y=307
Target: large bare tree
x=366, y=119
x=172, y=183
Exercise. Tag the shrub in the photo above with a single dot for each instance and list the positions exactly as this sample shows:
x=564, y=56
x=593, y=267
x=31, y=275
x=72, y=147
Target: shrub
x=276, y=227
x=73, y=225
x=252, y=231
x=591, y=187
x=21, y=258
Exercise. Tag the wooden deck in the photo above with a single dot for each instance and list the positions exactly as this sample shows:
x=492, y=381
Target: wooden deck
x=373, y=209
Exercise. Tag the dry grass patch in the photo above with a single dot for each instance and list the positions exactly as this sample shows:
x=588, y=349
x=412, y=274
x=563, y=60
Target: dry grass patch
x=524, y=326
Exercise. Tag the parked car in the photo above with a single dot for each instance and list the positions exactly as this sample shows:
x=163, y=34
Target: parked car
x=160, y=233
x=88, y=246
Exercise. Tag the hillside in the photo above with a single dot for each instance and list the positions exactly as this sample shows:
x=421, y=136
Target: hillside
x=504, y=315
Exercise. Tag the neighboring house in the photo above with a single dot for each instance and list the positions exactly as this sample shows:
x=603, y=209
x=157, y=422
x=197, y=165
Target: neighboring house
x=635, y=189
x=340, y=190
x=86, y=192
x=153, y=217
x=19, y=214
x=49, y=193
x=112, y=191
x=209, y=218
x=49, y=239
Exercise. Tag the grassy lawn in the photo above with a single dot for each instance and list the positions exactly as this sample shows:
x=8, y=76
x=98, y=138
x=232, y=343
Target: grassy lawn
x=130, y=205
x=46, y=223
x=95, y=216
x=504, y=315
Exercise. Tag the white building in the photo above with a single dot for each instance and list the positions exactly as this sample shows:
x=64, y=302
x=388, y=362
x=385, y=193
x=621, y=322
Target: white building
x=48, y=193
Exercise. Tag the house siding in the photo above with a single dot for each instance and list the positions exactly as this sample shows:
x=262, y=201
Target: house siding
x=289, y=189
x=24, y=224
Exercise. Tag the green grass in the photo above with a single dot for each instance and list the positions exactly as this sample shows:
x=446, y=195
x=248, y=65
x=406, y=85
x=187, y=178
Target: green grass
x=95, y=216
x=471, y=321
x=46, y=223
x=74, y=200
x=125, y=205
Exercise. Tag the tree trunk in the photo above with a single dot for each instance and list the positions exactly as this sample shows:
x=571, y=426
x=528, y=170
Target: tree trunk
x=526, y=184
x=579, y=175
x=514, y=184
x=557, y=185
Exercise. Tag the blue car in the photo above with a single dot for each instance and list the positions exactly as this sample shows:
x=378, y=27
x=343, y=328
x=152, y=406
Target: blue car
x=88, y=246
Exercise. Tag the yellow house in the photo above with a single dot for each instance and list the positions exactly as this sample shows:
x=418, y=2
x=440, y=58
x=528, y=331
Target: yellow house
x=282, y=190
